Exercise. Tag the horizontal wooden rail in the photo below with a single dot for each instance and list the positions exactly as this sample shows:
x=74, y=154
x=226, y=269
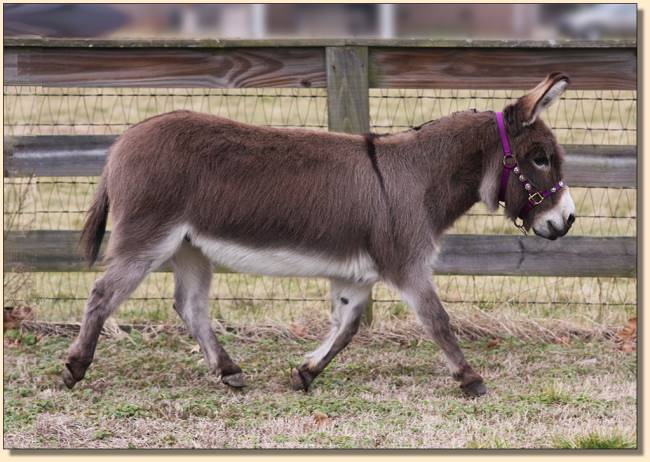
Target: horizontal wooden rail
x=67, y=155
x=52, y=251
x=488, y=64
x=601, y=166
x=501, y=68
x=166, y=67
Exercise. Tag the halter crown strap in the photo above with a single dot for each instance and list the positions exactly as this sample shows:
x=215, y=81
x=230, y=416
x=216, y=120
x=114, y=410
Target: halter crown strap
x=508, y=160
x=504, y=135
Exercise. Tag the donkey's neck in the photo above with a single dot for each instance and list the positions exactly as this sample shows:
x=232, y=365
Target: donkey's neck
x=459, y=156
x=492, y=168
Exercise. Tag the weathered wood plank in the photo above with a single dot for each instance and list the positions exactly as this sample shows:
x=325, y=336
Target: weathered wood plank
x=601, y=166
x=167, y=67
x=347, y=89
x=10, y=67
x=313, y=42
x=611, y=166
x=46, y=156
x=497, y=65
x=461, y=254
x=534, y=256
x=501, y=68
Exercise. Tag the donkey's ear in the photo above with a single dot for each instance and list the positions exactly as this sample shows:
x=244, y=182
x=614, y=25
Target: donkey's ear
x=542, y=96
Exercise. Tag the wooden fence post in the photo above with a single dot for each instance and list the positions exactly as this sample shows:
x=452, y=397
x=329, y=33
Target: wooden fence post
x=347, y=89
x=348, y=108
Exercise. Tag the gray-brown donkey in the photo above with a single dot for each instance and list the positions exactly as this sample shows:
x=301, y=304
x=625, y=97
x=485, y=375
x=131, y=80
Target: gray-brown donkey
x=196, y=190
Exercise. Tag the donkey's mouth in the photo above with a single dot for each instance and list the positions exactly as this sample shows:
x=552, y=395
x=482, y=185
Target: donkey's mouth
x=552, y=233
x=550, y=236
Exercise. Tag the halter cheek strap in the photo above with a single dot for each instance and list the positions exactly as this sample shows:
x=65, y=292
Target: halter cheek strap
x=509, y=162
x=510, y=165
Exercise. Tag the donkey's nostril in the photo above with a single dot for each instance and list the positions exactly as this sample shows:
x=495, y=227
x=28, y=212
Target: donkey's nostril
x=571, y=219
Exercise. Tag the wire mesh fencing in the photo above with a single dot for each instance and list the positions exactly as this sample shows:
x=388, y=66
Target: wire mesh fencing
x=59, y=203
x=102, y=111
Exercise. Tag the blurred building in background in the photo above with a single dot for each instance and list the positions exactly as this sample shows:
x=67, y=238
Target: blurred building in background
x=518, y=21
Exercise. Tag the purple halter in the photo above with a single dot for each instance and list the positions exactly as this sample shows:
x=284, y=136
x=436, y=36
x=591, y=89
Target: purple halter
x=510, y=164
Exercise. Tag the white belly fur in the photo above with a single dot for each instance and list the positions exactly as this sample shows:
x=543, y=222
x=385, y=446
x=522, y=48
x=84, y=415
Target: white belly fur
x=283, y=262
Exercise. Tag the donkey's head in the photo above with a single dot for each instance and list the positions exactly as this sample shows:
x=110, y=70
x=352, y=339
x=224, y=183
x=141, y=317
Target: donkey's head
x=538, y=196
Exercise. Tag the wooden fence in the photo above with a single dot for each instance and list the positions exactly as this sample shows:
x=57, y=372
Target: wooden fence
x=347, y=68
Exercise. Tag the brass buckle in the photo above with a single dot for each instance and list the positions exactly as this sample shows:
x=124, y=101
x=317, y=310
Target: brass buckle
x=536, y=198
x=509, y=158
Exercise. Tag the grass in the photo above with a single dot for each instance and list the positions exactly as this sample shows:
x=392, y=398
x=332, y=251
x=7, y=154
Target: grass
x=154, y=392
x=597, y=441
x=591, y=303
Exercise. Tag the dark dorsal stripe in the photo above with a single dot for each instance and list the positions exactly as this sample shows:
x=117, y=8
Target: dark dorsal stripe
x=372, y=155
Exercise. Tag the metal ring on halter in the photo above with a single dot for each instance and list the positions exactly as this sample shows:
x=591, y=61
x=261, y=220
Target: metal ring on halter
x=520, y=225
x=509, y=161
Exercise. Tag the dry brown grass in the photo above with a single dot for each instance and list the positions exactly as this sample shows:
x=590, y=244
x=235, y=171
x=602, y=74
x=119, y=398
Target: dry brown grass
x=153, y=391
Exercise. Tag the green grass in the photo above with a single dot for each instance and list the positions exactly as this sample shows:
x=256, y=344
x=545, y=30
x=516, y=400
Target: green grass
x=597, y=441
x=148, y=392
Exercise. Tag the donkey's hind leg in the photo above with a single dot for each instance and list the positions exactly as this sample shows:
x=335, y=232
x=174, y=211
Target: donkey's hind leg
x=348, y=303
x=421, y=296
x=121, y=278
x=192, y=276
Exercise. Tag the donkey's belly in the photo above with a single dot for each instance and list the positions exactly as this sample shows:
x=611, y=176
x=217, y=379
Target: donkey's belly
x=284, y=262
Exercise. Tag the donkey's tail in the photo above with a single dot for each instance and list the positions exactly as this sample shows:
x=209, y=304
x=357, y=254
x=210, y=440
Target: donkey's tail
x=95, y=226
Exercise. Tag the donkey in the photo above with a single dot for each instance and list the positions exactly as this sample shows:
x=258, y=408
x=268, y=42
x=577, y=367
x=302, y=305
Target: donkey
x=196, y=190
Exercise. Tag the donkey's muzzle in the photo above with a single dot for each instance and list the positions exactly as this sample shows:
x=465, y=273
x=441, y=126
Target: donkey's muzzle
x=553, y=232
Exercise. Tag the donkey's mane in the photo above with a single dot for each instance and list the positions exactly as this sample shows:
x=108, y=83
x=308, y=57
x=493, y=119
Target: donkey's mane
x=370, y=136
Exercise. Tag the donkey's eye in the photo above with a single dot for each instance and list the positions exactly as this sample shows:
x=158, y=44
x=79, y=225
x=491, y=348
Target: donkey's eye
x=541, y=161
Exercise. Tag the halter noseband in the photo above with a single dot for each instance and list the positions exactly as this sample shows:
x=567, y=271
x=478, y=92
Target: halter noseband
x=510, y=164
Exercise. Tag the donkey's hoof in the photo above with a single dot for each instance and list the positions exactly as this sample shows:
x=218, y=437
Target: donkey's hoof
x=68, y=379
x=74, y=371
x=474, y=389
x=236, y=380
x=298, y=381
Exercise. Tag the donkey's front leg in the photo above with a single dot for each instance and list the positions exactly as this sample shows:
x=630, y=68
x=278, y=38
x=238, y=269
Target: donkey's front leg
x=421, y=296
x=348, y=303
